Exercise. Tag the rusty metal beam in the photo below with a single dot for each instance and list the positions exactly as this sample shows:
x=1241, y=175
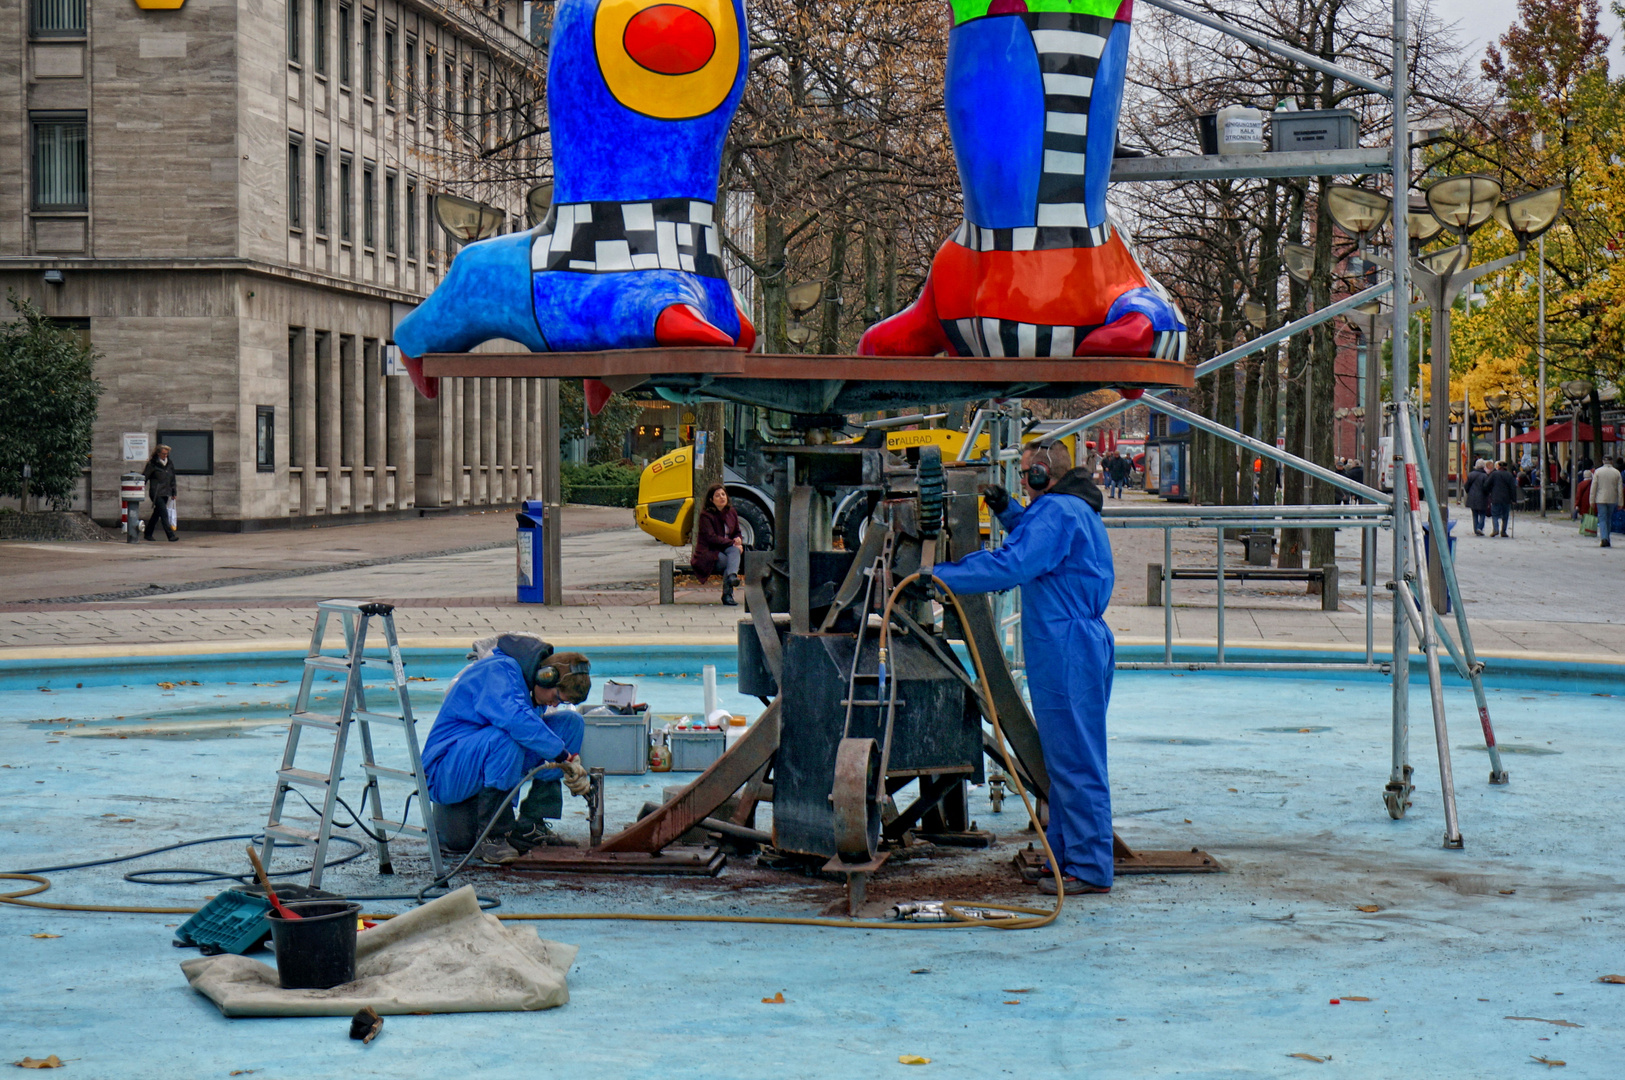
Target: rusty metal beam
x=735, y=364
x=713, y=787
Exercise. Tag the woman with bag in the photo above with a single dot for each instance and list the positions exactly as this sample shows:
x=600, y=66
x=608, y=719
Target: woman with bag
x=718, y=543
x=160, y=474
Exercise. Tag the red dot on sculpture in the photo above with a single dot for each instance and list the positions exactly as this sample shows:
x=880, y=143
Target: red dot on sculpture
x=670, y=39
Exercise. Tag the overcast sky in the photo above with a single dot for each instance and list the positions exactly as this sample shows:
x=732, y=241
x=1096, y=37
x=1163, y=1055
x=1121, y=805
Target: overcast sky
x=1480, y=22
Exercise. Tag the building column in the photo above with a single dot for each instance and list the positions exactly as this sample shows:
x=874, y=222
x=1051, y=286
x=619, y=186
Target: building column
x=488, y=440
x=505, y=414
x=523, y=438
x=373, y=485
x=403, y=446
x=303, y=421
x=353, y=425
x=330, y=422
x=457, y=458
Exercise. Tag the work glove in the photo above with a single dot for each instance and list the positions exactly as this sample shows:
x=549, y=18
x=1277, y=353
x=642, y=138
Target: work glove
x=998, y=499
x=575, y=776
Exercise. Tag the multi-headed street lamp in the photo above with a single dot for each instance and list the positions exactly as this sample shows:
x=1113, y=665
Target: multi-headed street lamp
x=1460, y=205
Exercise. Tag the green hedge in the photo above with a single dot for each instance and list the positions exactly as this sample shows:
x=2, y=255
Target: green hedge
x=602, y=494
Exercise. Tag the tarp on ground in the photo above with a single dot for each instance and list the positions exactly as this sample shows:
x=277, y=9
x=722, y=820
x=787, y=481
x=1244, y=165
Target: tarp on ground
x=446, y=956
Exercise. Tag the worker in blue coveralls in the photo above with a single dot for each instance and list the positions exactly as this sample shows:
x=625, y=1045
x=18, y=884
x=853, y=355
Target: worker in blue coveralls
x=1058, y=553
x=503, y=716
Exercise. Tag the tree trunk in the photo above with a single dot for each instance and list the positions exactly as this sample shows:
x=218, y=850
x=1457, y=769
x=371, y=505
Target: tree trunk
x=708, y=420
x=1322, y=386
x=829, y=332
x=774, y=287
x=1249, y=426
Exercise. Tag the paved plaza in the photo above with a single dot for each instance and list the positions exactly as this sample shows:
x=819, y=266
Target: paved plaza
x=1535, y=595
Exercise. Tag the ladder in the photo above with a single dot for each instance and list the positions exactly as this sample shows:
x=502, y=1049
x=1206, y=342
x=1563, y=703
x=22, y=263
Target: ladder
x=354, y=616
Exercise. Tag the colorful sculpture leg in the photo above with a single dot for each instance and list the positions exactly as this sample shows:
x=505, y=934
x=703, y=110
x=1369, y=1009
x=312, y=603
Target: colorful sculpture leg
x=1037, y=268
x=640, y=95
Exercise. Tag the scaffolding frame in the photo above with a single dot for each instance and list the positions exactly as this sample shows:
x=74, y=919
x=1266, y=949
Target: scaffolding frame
x=1400, y=513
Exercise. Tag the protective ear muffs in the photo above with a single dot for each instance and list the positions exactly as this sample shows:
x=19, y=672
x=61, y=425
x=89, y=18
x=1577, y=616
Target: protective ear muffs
x=1037, y=474
x=550, y=675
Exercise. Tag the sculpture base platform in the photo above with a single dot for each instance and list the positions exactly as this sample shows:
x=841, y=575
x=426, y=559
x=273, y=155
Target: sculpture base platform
x=810, y=384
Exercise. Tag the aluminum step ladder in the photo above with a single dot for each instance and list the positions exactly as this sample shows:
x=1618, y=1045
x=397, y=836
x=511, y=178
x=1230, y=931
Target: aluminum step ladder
x=355, y=616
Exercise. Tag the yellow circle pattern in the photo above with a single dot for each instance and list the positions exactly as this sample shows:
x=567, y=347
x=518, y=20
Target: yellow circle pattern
x=666, y=97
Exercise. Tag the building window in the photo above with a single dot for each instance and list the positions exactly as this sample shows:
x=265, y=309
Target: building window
x=389, y=65
x=392, y=185
x=58, y=18
x=61, y=166
x=449, y=106
x=411, y=74
x=346, y=198
x=296, y=15
x=430, y=86
x=191, y=452
x=319, y=165
x=346, y=35
x=264, y=438
x=369, y=208
x=485, y=112
x=411, y=218
x=318, y=39
x=296, y=184
x=369, y=45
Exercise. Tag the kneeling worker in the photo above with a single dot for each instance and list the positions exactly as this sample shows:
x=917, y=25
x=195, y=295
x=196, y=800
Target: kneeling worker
x=1058, y=552
x=502, y=717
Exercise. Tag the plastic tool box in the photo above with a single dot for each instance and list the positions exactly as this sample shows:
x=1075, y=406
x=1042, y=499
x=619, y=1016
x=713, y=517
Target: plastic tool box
x=233, y=922
x=696, y=749
x=616, y=743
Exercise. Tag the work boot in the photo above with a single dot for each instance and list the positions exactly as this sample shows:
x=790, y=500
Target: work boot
x=728, y=583
x=495, y=853
x=533, y=834
x=1074, y=886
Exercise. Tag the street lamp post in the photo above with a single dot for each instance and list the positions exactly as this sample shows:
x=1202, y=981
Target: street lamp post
x=1373, y=326
x=1575, y=390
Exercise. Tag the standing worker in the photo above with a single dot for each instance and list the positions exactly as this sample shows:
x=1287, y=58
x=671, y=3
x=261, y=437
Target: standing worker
x=1605, y=496
x=160, y=474
x=1117, y=470
x=502, y=717
x=1058, y=553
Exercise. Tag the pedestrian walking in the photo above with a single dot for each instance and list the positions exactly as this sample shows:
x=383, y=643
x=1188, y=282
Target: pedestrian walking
x=1503, y=490
x=718, y=543
x=160, y=474
x=1478, y=495
x=1117, y=470
x=1605, y=496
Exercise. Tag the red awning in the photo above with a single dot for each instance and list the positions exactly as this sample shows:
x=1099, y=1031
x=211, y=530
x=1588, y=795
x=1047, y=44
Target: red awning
x=1564, y=432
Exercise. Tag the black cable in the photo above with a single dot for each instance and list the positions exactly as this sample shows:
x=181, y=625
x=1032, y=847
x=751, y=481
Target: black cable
x=199, y=876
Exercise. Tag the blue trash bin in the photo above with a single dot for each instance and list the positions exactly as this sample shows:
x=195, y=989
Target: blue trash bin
x=531, y=561
x=1427, y=549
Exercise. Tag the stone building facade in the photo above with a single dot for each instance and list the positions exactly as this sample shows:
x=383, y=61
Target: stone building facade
x=234, y=199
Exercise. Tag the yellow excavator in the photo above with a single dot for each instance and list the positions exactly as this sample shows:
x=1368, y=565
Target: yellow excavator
x=665, y=508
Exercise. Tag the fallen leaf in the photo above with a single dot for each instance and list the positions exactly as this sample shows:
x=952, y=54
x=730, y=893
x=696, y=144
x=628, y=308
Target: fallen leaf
x=1022, y=990
x=241, y=1072
x=913, y=1059
x=1187, y=821
x=126, y=820
x=1347, y=997
x=1548, y=1062
x=45, y=935
x=776, y=999
x=920, y=971
x=1368, y=907
x=52, y=1062
x=1618, y=980
x=1012, y=1003
x=420, y=678
x=1307, y=1057
x=1304, y=730
x=1541, y=1020
x=1508, y=892
x=1232, y=789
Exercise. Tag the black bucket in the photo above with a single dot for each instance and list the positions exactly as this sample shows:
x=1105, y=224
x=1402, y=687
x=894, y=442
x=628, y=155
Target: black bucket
x=317, y=950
